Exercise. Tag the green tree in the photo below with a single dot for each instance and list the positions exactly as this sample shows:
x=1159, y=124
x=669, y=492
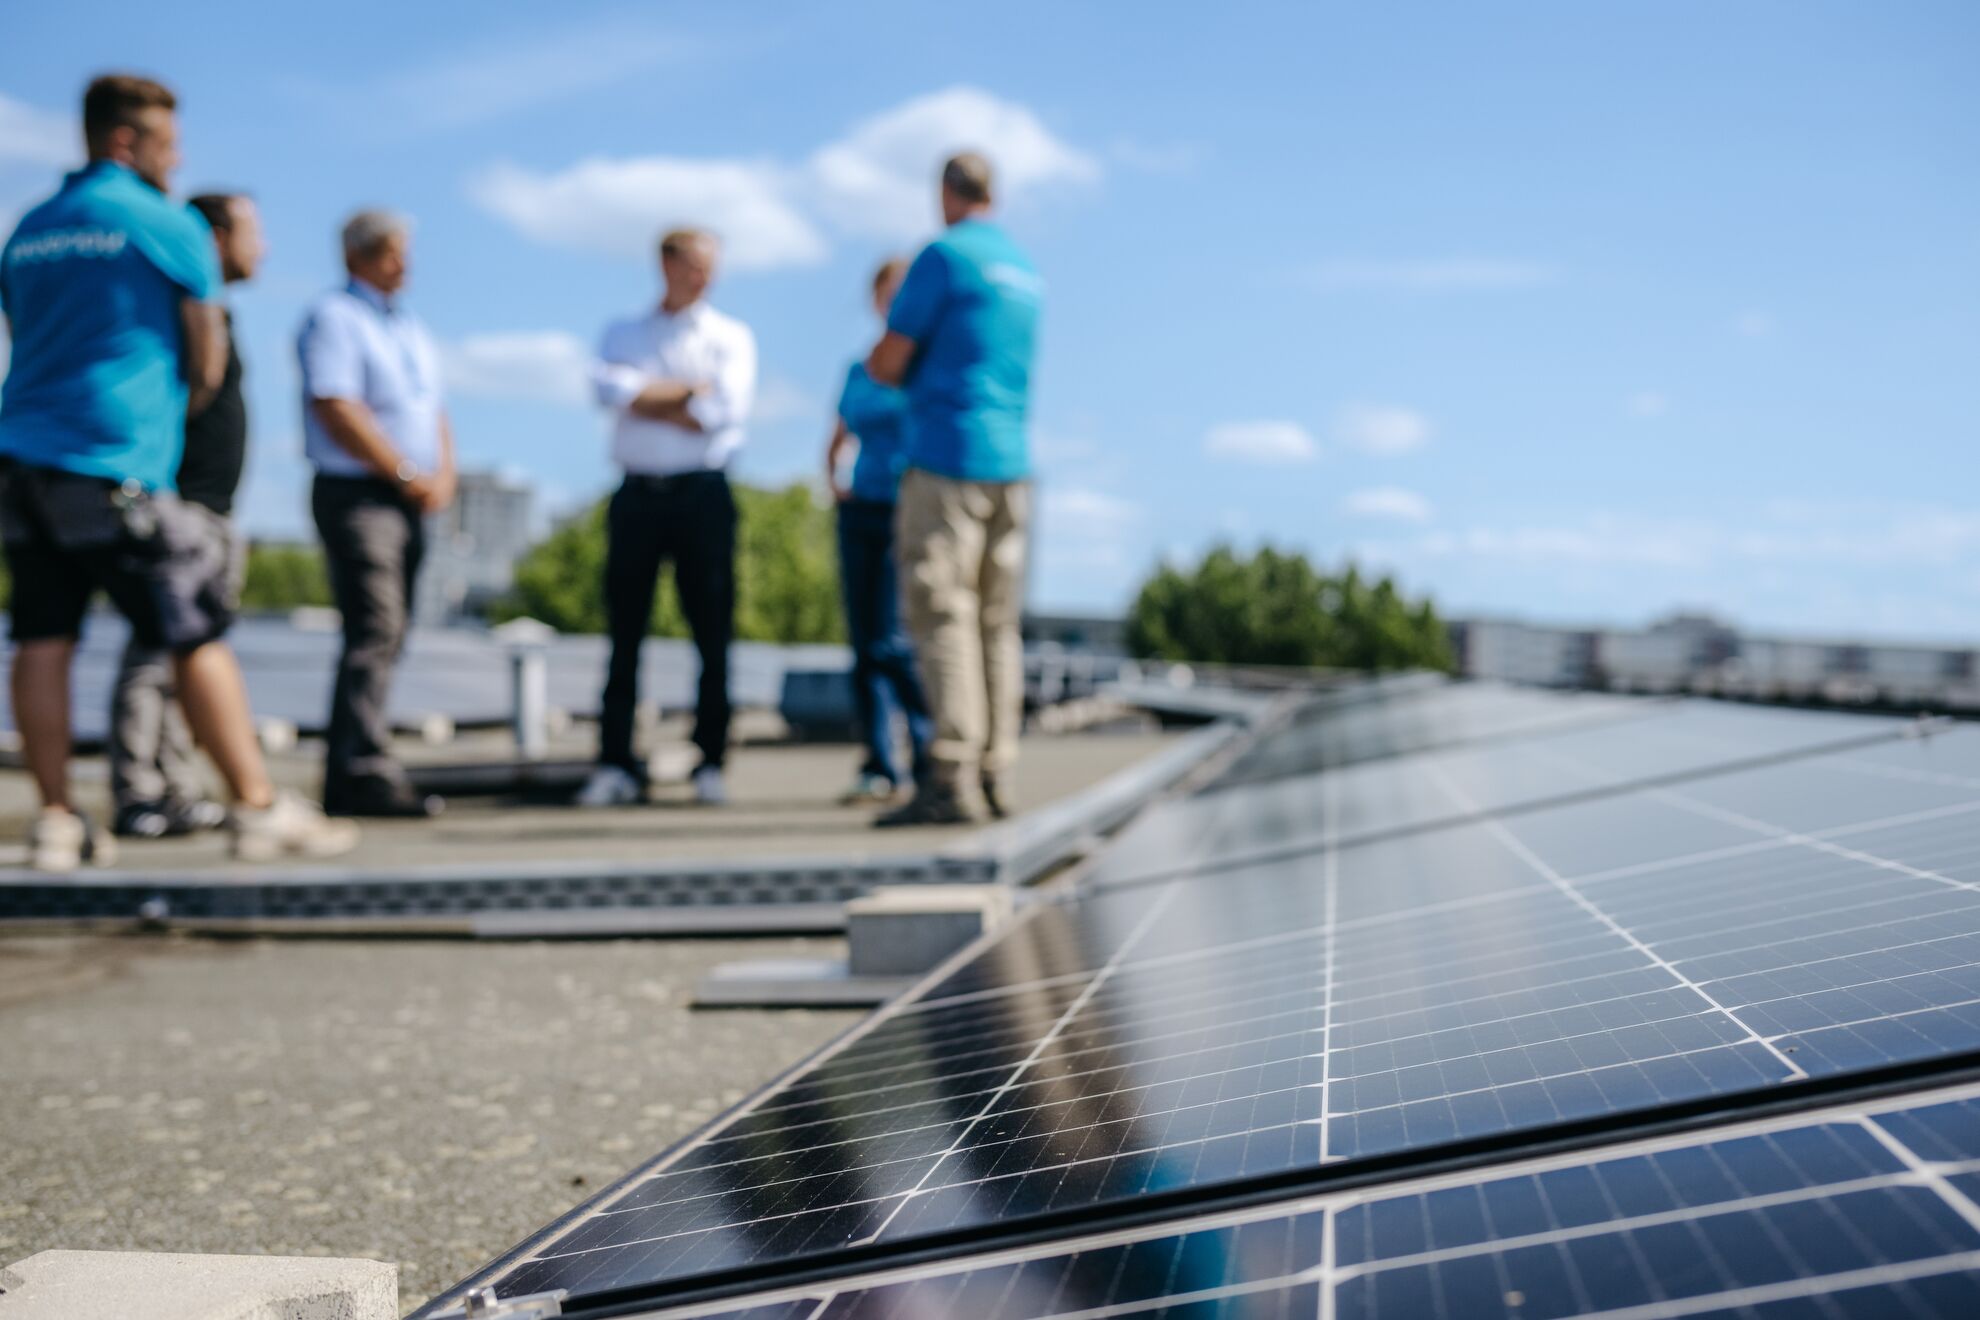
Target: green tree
x=1275, y=608
x=787, y=574
x=282, y=577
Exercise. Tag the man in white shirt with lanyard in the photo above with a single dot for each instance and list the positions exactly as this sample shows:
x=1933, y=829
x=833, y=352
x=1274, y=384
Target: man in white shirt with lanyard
x=679, y=381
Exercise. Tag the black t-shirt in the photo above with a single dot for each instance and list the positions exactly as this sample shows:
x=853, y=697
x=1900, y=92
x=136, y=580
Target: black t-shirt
x=216, y=442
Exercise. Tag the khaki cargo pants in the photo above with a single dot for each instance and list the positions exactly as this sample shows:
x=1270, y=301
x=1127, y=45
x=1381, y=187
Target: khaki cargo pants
x=962, y=548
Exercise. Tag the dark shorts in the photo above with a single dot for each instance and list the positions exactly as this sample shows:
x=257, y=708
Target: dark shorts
x=164, y=564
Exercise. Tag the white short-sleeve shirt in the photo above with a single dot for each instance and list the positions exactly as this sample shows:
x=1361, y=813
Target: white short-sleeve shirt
x=358, y=344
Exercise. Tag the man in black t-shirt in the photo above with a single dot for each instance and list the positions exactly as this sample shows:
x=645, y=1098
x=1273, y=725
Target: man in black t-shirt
x=155, y=780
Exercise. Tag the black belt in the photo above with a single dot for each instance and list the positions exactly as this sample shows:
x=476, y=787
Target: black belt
x=676, y=480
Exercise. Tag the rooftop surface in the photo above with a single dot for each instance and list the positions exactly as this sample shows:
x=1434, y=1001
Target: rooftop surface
x=419, y=1101
x=783, y=802
x=424, y=1102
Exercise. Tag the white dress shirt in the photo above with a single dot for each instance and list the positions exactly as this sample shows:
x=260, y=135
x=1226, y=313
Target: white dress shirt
x=358, y=344
x=698, y=345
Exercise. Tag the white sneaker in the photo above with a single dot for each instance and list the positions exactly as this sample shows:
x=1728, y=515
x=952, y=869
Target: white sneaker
x=289, y=826
x=609, y=786
x=709, y=790
x=61, y=841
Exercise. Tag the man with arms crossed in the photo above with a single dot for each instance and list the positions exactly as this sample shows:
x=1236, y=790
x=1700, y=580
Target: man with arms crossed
x=376, y=429
x=679, y=381
x=156, y=785
x=108, y=290
x=959, y=340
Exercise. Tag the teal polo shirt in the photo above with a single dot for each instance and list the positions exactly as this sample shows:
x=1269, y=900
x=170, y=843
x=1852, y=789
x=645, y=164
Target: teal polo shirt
x=878, y=416
x=970, y=303
x=92, y=280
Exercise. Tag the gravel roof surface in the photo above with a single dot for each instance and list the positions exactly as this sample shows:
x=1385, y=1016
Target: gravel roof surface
x=423, y=1102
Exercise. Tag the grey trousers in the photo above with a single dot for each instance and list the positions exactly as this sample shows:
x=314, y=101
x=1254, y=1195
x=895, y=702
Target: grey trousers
x=373, y=541
x=151, y=750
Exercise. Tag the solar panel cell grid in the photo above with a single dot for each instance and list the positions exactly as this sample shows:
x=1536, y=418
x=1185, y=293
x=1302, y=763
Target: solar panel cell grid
x=1858, y=1212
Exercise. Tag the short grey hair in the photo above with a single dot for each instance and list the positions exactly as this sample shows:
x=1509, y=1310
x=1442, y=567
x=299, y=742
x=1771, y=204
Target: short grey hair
x=368, y=230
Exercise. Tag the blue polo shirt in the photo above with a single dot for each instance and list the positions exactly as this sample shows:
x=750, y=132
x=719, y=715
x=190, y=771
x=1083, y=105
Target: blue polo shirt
x=92, y=281
x=970, y=303
x=876, y=414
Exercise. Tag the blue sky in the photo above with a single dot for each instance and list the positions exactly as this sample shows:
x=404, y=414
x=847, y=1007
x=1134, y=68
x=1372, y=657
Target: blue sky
x=1567, y=310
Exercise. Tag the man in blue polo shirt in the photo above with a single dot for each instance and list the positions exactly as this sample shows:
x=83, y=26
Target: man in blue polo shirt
x=959, y=339
x=108, y=290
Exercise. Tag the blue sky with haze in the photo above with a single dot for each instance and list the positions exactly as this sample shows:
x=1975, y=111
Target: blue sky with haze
x=1562, y=309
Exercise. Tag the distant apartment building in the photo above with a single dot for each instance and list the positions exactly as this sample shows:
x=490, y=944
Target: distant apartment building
x=1696, y=653
x=473, y=547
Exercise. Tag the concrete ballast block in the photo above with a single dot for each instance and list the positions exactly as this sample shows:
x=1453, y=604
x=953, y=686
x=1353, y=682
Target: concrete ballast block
x=902, y=930
x=117, y=1285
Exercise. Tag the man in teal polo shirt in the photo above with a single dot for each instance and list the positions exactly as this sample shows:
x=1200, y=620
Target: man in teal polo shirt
x=959, y=340
x=108, y=291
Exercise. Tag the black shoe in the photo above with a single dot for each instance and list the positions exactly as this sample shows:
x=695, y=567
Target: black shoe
x=194, y=815
x=993, y=799
x=930, y=805
x=143, y=820
x=382, y=800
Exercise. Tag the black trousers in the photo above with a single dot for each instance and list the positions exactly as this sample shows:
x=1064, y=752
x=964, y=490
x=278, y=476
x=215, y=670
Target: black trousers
x=691, y=520
x=373, y=541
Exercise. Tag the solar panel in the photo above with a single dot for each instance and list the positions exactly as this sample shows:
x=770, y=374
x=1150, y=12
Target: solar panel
x=1783, y=903
x=1381, y=797
x=1391, y=721
x=1851, y=1211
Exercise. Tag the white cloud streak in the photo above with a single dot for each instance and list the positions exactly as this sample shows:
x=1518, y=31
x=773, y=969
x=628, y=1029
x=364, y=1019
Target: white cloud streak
x=1388, y=502
x=30, y=135
x=1452, y=275
x=543, y=366
x=1383, y=430
x=1851, y=538
x=877, y=181
x=620, y=207
x=1159, y=158
x=488, y=80
x=1273, y=443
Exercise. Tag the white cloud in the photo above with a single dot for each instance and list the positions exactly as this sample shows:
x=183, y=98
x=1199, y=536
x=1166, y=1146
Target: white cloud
x=1848, y=538
x=781, y=400
x=1274, y=443
x=1648, y=403
x=1430, y=276
x=877, y=181
x=1381, y=429
x=1087, y=512
x=1159, y=158
x=30, y=135
x=1091, y=543
x=1754, y=324
x=547, y=366
x=1391, y=502
x=620, y=207
x=486, y=80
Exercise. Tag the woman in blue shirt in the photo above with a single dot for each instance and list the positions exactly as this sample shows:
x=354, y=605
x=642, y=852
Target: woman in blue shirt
x=874, y=417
